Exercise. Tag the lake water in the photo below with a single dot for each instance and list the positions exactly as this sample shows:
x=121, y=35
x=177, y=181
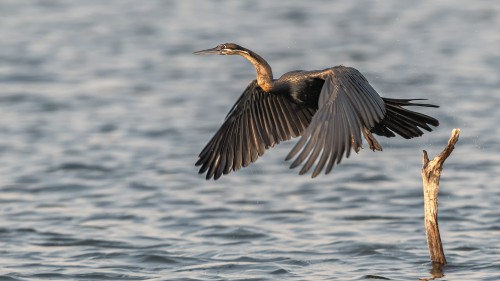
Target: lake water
x=104, y=109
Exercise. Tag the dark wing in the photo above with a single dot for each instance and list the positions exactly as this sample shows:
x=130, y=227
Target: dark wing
x=257, y=121
x=347, y=105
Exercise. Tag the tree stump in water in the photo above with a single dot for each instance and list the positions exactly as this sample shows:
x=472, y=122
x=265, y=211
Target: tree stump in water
x=431, y=172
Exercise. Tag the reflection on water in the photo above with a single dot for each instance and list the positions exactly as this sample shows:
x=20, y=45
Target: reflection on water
x=104, y=110
x=436, y=272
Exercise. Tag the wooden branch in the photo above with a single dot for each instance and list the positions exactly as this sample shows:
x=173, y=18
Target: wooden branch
x=431, y=172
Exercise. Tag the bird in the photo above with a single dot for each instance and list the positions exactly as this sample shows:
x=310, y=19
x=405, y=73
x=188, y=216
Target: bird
x=328, y=109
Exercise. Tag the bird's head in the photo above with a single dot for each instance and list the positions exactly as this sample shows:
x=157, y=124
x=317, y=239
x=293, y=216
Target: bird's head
x=264, y=72
x=224, y=49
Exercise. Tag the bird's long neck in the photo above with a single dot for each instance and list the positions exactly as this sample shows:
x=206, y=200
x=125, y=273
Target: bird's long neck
x=264, y=72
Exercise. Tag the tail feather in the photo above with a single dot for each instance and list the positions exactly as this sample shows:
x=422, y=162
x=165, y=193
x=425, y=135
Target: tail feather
x=404, y=122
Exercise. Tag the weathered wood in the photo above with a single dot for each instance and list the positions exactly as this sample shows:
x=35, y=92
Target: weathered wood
x=431, y=172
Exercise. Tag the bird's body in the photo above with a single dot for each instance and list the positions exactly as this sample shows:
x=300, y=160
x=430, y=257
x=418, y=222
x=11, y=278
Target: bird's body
x=329, y=109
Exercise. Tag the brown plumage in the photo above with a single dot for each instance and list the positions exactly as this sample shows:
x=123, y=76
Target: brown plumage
x=329, y=109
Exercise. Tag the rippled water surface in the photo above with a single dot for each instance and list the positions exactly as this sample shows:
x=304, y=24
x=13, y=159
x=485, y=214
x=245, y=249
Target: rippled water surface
x=103, y=111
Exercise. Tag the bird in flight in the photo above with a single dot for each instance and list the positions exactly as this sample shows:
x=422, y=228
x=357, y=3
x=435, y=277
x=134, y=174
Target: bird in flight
x=329, y=109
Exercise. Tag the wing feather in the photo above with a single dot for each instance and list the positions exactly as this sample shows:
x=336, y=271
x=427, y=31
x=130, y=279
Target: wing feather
x=257, y=121
x=273, y=113
x=346, y=105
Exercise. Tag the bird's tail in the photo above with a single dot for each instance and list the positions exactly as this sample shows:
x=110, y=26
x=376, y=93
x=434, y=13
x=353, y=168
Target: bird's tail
x=402, y=121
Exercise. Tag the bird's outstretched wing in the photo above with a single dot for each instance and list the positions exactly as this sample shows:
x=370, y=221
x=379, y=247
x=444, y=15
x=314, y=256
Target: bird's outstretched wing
x=347, y=106
x=257, y=121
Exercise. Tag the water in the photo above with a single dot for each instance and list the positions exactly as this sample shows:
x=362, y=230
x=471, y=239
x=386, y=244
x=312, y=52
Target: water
x=104, y=110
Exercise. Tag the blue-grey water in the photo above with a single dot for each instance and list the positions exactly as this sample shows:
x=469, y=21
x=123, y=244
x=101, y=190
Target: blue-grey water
x=104, y=109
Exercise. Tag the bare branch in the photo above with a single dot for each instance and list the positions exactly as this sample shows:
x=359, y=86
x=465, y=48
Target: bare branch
x=431, y=173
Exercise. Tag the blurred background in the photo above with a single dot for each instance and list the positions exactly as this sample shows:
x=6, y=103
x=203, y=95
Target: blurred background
x=104, y=109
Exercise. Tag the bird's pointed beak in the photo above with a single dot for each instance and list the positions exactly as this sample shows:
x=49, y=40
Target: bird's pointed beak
x=208, y=52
